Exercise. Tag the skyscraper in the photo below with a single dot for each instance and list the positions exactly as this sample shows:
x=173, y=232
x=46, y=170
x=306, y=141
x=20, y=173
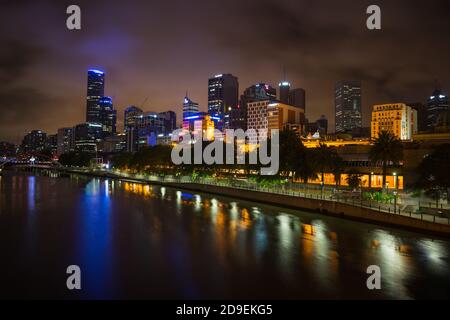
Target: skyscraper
x=65, y=140
x=108, y=116
x=223, y=95
x=131, y=120
x=297, y=98
x=170, y=121
x=95, y=91
x=34, y=141
x=190, y=107
x=438, y=108
x=257, y=92
x=348, y=111
x=284, y=87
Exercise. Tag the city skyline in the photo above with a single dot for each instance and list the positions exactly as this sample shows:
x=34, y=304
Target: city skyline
x=163, y=69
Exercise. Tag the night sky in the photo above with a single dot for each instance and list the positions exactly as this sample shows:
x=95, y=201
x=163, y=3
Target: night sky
x=160, y=49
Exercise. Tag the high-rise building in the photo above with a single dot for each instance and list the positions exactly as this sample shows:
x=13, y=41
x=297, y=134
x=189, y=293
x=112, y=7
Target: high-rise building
x=348, y=110
x=87, y=137
x=422, y=115
x=131, y=120
x=95, y=91
x=51, y=143
x=170, y=121
x=269, y=115
x=34, y=141
x=65, y=140
x=150, y=125
x=297, y=98
x=257, y=92
x=284, y=88
x=223, y=95
x=189, y=107
x=438, y=108
x=322, y=125
x=396, y=118
x=108, y=116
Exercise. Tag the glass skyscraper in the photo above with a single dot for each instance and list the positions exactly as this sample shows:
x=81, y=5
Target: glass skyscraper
x=95, y=91
x=223, y=96
x=348, y=109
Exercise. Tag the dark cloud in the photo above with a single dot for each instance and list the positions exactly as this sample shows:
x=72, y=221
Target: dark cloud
x=160, y=49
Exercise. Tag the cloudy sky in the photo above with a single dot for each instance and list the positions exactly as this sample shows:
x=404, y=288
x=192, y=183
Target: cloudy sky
x=161, y=49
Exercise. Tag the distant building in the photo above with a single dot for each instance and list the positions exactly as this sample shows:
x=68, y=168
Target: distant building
x=131, y=120
x=65, y=140
x=223, y=96
x=189, y=107
x=257, y=92
x=284, y=88
x=7, y=149
x=170, y=121
x=297, y=98
x=348, y=108
x=322, y=124
x=200, y=123
x=269, y=115
x=397, y=118
x=108, y=116
x=34, y=141
x=422, y=115
x=87, y=137
x=51, y=143
x=114, y=144
x=150, y=125
x=438, y=108
x=95, y=91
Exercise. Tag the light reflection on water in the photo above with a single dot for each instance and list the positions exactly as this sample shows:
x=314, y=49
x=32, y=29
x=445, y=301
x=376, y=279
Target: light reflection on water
x=142, y=241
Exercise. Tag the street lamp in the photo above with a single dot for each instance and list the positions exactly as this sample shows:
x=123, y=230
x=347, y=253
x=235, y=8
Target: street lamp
x=395, y=202
x=395, y=181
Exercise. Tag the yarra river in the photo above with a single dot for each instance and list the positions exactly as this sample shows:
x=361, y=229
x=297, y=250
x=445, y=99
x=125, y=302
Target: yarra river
x=134, y=241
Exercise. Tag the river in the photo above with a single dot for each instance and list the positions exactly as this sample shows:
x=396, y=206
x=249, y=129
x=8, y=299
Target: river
x=134, y=241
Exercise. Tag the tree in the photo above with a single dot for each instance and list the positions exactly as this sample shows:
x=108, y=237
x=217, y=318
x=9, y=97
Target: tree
x=354, y=179
x=337, y=168
x=434, y=176
x=386, y=149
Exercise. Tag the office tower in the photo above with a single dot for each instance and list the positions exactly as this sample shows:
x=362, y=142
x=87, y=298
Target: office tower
x=130, y=123
x=422, y=115
x=150, y=125
x=297, y=98
x=223, y=95
x=397, y=118
x=87, y=137
x=114, y=144
x=34, y=142
x=108, y=116
x=285, y=88
x=269, y=115
x=65, y=140
x=95, y=91
x=51, y=143
x=438, y=108
x=257, y=92
x=322, y=125
x=189, y=107
x=348, y=110
x=170, y=121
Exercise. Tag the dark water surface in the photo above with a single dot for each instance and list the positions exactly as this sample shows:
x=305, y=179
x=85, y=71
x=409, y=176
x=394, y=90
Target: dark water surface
x=145, y=242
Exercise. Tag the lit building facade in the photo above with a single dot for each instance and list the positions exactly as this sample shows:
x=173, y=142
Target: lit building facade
x=108, y=116
x=34, y=141
x=131, y=119
x=189, y=108
x=150, y=125
x=348, y=108
x=95, y=91
x=397, y=118
x=223, y=96
x=65, y=140
x=438, y=110
x=200, y=123
x=87, y=137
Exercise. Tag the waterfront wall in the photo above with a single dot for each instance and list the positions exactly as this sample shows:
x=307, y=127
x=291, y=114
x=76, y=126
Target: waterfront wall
x=331, y=208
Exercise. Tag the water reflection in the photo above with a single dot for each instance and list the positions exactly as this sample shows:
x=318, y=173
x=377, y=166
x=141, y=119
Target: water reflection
x=141, y=241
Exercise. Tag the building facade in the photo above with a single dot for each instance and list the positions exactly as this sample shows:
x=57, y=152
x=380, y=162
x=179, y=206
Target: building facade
x=65, y=140
x=95, y=91
x=297, y=98
x=189, y=108
x=223, y=96
x=348, y=108
x=397, y=118
x=284, y=88
x=87, y=137
x=438, y=111
x=34, y=141
x=108, y=116
x=131, y=119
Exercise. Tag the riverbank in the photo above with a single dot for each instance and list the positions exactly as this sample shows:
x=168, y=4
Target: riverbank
x=323, y=207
